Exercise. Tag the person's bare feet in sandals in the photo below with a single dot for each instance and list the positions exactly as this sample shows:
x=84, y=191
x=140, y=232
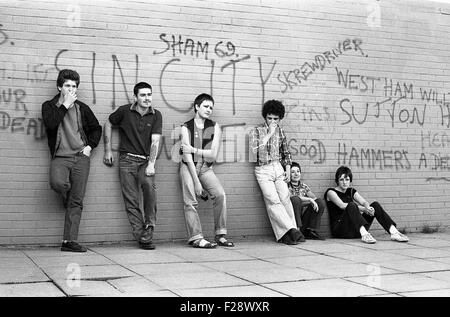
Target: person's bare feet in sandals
x=223, y=242
x=203, y=244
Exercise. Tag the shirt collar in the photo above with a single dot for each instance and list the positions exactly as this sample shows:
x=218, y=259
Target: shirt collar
x=149, y=110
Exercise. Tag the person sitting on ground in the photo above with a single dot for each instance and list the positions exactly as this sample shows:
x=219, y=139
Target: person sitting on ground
x=308, y=209
x=351, y=215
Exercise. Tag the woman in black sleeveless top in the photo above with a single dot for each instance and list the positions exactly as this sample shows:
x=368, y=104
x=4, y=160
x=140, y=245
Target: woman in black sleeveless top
x=351, y=215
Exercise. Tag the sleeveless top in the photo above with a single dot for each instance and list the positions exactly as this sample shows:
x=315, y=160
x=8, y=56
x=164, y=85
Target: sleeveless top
x=333, y=210
x=203, y=141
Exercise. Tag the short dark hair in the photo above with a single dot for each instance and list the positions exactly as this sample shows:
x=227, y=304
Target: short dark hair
x=200, y=98
x=295, y=164
x=343, y=170
x=67, y=74
x=141, y=85
x=274, y=107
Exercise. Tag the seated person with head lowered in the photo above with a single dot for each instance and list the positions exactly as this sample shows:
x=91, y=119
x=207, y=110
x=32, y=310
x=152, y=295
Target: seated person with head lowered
x=351, y=215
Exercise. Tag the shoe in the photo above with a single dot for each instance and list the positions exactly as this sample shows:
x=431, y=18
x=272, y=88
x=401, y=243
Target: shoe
x=296, y=235
x=367, y=238
x=147, y=246
x=72, y=246
x=203, y=244
x=313, y=235
x=286, y=239
x=147, y=234
x=399, y=237
x=221, y=241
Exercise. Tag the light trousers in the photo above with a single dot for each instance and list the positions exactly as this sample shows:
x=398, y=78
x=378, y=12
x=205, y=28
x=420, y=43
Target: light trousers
x=275, y=191
x=212, y=185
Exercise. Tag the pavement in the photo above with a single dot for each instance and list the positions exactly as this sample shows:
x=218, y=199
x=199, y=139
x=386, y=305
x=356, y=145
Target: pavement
x=255, y=267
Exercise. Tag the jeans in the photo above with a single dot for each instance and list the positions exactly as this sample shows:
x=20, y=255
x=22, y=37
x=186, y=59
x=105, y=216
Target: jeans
x=133, y=180
x=212, y=185
x=348, y=225
x=305, y=216
x=68, y=177
x=275, y=191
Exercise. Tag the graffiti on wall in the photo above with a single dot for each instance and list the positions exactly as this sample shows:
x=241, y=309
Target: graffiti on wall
x=400, y=104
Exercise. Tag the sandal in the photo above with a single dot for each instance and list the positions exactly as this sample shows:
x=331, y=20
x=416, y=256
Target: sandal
x=203, y=244
x=221, y=241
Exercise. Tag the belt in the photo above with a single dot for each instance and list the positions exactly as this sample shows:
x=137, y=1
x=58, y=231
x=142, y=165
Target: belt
x=138, y=156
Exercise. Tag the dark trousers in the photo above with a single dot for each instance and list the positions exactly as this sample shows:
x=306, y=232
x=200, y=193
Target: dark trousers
x=348, y=225
x=133, y=180
x=68, y=177
x=305, y=216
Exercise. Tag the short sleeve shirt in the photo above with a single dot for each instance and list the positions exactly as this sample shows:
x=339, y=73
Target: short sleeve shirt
x=135, y=130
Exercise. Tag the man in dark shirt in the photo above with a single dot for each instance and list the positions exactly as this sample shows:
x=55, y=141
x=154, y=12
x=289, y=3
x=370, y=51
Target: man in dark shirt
x=140, y=129
x=72, y=132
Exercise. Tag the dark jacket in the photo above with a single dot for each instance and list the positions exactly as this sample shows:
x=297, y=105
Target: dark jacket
x=52, y=116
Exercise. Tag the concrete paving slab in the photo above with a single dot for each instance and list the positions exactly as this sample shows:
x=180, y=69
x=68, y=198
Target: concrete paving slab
x=76, y=258
x=329, y=248
x=382, y=244
x=89, y=272
x=414, y=265
x=55, y=251
x=234, y=291
x=149, y=294
x=11, y=253
x=306, y=262
x=276, y=251
x=151, y=256
x=87, y=288
x=440, y=276
x=230, y=266
x=168, y=268
x=349, y=270
x=432, y=293
x=397, y=283
x=442, y=260
x=192, y=254
x=423, y=253
x=134, y=285
x=371, y=256
x=431, y=242
x=324, y=288
x=22, y=275
x=46, y=289
x=196, y=280
x=117, y=249
x=279, y=274
x=16, y=262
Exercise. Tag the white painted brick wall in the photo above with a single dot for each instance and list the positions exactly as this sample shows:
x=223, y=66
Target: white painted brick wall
x=409, y=45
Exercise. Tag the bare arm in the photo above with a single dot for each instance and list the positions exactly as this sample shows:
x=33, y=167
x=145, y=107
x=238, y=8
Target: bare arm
x=210, y=154
x=187, y=157
x=150, y=170
x=108, y=158
x=363, y=204
x=334, y=198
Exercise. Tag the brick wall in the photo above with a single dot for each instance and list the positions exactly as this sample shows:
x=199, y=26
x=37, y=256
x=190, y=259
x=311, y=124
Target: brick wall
x=365, y=84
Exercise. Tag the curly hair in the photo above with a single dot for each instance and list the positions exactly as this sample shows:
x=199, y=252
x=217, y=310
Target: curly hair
x=67, y=74
x=274, y=107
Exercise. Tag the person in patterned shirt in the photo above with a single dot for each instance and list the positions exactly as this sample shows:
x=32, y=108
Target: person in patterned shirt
x=269, y=143
x=308, y=209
